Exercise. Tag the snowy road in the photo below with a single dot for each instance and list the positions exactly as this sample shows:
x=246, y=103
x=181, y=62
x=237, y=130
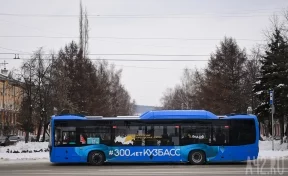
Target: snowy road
x=45, y=168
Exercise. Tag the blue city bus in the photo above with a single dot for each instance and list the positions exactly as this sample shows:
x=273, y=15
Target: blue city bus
x=191, y=136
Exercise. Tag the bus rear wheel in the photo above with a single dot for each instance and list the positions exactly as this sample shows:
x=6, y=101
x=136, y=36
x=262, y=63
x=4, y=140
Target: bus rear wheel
x=197, y=157
x=96, y=158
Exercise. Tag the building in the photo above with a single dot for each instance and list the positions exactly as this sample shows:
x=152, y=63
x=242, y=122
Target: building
x=10, y=102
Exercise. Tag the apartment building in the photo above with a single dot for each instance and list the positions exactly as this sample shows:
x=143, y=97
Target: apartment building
x=10, y=101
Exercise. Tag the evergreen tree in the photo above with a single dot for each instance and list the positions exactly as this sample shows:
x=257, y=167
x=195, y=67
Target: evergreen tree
x=273, y=76
x=223, y=90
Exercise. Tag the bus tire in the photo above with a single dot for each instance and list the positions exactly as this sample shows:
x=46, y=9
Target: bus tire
x=197, y=157
x=96, y=158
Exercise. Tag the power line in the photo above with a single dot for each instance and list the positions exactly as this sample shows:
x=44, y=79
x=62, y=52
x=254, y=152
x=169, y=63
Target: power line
x=147, y=15
x=126, y=38
x=14, y=50
x=132, y=60
x=129, y=16
x=130, y=54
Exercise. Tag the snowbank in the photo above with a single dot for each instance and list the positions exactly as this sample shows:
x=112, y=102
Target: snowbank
x=267, y=145
x=22, y=147
x=25, y=151
x=272, y=154
x=24, y=156
x=265, y=149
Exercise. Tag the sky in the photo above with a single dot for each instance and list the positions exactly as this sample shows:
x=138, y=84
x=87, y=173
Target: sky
x=189, y=29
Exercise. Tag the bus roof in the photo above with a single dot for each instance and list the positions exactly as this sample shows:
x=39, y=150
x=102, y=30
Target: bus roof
x=178, y=114
x=159, y=114
x=241, y=116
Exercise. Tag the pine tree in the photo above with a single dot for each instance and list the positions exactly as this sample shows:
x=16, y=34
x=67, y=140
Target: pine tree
x=273, y=76
x=223, y=90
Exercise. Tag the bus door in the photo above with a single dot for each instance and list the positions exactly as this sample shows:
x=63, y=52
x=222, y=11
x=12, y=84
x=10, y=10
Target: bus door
x=65, y=143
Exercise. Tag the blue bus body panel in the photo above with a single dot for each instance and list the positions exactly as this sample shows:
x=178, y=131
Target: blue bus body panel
x=68, y=117
x=178, y=114
x=155, y=153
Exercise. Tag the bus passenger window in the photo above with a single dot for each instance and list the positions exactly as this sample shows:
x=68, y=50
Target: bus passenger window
x=220, y=134
x=69, y=137
x=91, y=135
x=65, y=135
x=196, y=133
x=220, y=137
x=58, y=138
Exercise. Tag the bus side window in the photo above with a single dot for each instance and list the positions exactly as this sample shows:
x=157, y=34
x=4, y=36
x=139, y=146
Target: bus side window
x=243, y=132
x=69, y=137
x=220, y=134
x=195, y=133
x=58, y=137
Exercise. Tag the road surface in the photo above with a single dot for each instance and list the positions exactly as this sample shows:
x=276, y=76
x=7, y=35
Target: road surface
x=46, y=168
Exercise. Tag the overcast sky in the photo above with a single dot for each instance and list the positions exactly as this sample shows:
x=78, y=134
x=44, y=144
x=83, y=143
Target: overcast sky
x=121, y=26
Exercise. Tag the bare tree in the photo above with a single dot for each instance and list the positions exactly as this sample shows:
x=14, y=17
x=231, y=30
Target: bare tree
x=183, y=96
x=25, y=120
x=83, y=31
x=35, y=74
x=120, y=99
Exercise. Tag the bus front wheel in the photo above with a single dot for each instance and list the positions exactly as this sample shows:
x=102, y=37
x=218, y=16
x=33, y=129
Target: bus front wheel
x=96, y=158
x=197, y=157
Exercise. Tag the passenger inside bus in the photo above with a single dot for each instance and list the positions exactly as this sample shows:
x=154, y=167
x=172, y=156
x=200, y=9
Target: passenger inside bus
x=220, y=137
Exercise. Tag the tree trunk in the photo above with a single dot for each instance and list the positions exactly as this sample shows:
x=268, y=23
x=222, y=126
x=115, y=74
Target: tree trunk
x=281, y=129
x=270, y=128
x=285, y=131
x=44, y=131
x=26, y=136
x=39, y=131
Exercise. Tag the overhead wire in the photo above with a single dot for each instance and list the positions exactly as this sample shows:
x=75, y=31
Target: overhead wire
x=14, y=50
x=227, y=14
x=127, y=38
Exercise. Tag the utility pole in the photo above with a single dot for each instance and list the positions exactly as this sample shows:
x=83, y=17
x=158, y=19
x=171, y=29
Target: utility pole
x=271, y=92
x=4, y=71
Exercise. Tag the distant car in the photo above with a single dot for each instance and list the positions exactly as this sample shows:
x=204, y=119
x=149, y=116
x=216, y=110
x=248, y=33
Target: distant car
x=3, y=140
x=9, y=140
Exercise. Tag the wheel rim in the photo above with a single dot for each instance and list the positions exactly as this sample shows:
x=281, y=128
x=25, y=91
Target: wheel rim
x=197, y=157
x=97, y=158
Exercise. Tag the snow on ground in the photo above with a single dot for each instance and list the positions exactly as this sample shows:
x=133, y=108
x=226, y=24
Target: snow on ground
x=265, y=151
x=33, y=151
x=267, y=145
x=24, y=156
x=22, y=146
